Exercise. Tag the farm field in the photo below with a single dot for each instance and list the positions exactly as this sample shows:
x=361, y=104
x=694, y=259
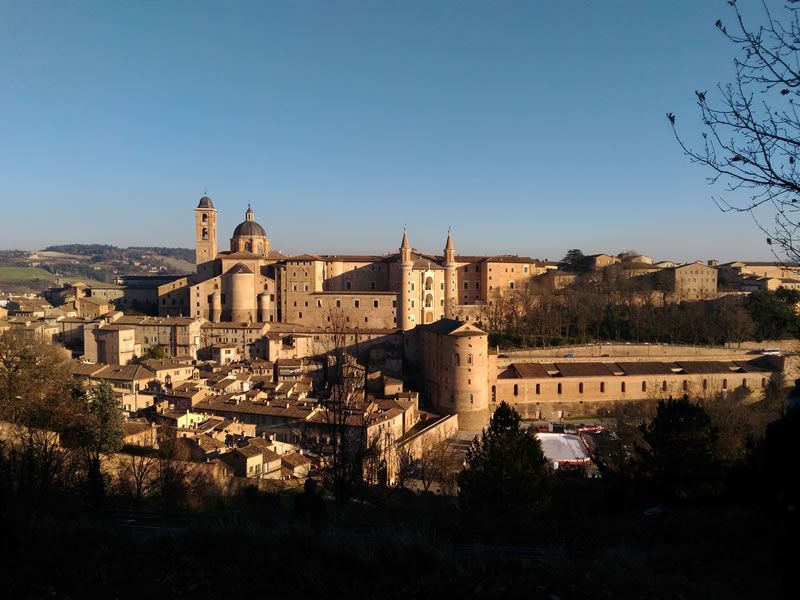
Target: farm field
x=24, y=274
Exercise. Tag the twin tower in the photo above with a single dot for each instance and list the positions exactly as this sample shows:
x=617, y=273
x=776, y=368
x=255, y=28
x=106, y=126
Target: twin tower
x=428, y=285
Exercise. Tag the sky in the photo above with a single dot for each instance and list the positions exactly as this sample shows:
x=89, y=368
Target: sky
x=526, y=127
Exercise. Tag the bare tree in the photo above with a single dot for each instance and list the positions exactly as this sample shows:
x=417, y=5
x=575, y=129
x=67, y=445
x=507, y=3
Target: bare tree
x=751, y=129
x=137, y=474
x=436, y=463
x=34, y=381
x=339, y=434
x=178, y=480
x=345, y=416
x=380, y=457
x=405, y=465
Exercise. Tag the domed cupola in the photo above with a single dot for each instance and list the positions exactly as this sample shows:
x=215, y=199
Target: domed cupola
x=249, y=236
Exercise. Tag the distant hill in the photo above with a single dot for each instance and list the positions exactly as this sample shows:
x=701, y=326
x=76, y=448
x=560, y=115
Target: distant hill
x=113, y=252
x=33, y=271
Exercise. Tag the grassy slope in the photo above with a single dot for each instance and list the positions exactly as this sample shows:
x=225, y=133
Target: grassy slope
x=23, y=274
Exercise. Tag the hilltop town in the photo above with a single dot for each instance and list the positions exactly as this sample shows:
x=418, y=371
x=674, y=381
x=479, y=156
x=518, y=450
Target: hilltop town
x=234, y=359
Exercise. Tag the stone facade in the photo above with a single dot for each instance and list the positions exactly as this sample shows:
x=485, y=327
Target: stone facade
x=250, y=283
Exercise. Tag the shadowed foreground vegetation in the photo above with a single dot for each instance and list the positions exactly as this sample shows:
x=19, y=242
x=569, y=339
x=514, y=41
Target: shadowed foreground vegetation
x=407, y=547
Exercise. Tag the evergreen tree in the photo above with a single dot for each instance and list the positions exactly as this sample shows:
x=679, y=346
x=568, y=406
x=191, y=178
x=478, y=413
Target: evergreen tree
x=678, y=451
x=505, y=469
x=97, y=431
x=575, y=260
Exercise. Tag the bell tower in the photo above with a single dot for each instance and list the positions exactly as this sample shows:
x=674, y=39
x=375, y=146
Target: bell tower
x=205, y=231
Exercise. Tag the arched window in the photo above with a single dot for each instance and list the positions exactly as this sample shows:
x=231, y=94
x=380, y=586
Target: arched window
x=724, y=384
x=744, y=383
x=428, y=300
x=559, y=388
x=429, y=283
x=516, y=390
x=260, y=248
x=205, y=218
x=644, y=386
x=205, y=233
x=494, y=393
x=602, y=387
x=622, y=387
x=538, y=388
x=664, y=386
x=248, y=247
x=580, y=387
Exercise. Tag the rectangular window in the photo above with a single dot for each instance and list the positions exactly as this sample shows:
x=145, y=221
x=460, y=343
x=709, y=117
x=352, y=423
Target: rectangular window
x=356, y=303
x=347, y=285
x=374, y=304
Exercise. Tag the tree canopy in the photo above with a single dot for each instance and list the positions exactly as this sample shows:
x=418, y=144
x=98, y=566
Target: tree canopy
x=575, y=260
x=678, y=453
x=506, y=468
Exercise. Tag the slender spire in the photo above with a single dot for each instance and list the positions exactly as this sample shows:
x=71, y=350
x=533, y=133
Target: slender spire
x=404, y=243
x=249, y=214
x=449, y=244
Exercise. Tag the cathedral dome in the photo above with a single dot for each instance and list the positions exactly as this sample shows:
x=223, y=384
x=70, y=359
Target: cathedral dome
x=249, y=228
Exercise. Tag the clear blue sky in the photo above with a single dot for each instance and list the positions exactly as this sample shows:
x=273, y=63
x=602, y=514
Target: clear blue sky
x=529, y=127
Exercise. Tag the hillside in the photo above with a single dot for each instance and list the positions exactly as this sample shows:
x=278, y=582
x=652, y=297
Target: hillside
x=22, y=271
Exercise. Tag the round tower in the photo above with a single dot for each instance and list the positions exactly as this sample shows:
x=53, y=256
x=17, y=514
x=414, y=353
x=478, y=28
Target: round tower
x=239, y=286
x=335, y=283
x=215, y=314
x=263, y=307
x=469, y=390
x=404, y=305
x=450, y=278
